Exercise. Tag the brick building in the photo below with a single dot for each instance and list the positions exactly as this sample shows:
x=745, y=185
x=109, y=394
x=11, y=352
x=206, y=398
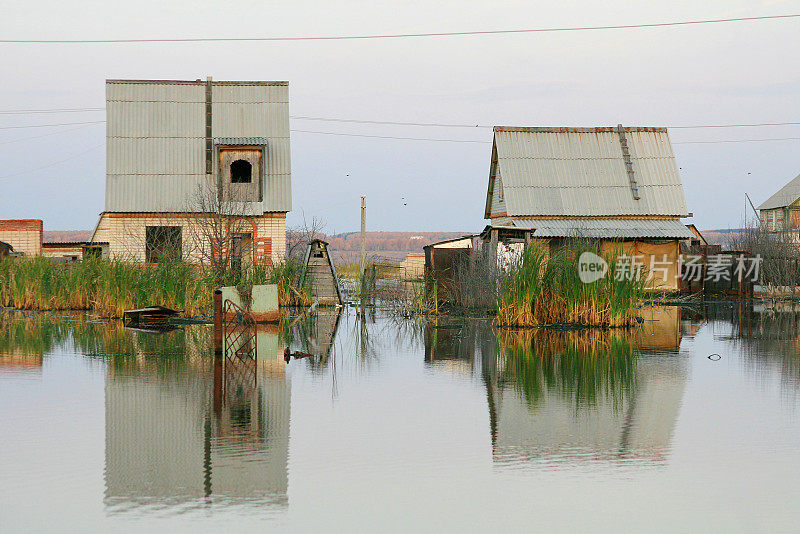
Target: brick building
x=780, y=213
x=170, y=143
x=24, y=235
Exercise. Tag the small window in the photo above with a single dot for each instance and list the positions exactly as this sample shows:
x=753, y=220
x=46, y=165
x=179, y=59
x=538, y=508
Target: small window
x=241, y=172
x=162, y=243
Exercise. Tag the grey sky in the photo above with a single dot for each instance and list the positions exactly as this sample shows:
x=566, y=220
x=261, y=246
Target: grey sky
x=744, y=72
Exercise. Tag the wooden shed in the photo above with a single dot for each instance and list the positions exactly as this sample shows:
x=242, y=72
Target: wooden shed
x=319, y=275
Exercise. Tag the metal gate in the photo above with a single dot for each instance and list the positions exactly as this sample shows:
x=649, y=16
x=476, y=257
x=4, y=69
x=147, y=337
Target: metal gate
x=240, y=349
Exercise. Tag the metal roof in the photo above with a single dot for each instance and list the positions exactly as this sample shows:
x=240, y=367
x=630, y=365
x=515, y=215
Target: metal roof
x=607, y=228
x=785, y=196
x=254, y=141
x=197, y=82
x=557, y=171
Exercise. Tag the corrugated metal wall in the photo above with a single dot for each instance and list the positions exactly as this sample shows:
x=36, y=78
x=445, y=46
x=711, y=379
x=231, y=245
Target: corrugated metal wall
x=156, y=140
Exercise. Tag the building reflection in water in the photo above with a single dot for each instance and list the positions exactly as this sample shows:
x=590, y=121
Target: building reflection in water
x=176, y=437
x=586, y=395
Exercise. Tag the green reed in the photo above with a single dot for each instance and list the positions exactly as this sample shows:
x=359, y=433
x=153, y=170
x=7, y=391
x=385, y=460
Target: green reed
x=582, y=366
x=108, y=287
x=543, y=287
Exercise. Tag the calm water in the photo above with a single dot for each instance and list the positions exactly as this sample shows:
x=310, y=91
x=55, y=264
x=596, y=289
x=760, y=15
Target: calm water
x=399, y=426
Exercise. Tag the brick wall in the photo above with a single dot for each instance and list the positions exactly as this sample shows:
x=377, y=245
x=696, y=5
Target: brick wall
x=61, y=250
x=125, y=234
x=25, y=235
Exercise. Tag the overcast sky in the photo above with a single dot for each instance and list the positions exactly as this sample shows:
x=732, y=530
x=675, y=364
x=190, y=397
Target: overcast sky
x=732, y=73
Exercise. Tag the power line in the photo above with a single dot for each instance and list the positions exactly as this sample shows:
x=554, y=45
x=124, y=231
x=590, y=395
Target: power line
x=736, y=125
x=490, y=142
x=403, y=138
x=79, y=154
x=398, y=35
x=395, y=123
x=55, y=110
x=43, y=135
x=377, y=122
x=48, y=125
x=736, y=141
x=445, y=125
x=393, y=137
x=438, y=139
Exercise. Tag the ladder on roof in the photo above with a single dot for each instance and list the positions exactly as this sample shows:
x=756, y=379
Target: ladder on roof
x=626, y=157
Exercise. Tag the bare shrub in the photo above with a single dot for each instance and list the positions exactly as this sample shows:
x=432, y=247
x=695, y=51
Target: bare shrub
x=477, y=281
x=298, y=237
x=779, y=252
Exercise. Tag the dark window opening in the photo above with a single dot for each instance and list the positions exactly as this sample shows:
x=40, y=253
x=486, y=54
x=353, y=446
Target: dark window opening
x=162, y=243
x=239, y=245
x=241, y=172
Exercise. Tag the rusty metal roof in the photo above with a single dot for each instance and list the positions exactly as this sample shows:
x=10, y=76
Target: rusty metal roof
x=607, y=228
x=785, y=196
x=556, y=171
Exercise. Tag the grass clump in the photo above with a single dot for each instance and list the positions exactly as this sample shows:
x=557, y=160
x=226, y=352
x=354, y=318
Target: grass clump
x=108, y=287
x=543, y=288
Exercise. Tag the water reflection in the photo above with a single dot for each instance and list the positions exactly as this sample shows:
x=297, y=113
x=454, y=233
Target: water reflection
x=194, y=434
x=182, y=433
x=766, y=334
x=572, y=396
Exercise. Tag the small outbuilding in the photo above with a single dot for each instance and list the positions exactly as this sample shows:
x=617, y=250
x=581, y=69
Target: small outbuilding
x=5, y=249
x=442, y=261
x=617, y=185
x=319, y=275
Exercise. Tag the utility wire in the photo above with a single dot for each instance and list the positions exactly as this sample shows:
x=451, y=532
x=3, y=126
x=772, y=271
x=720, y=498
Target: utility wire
x=398, y=35
x=735, y=125
x=398, y=123
x=424, y=138
x=364, y=121
x=43, y=135
x=47, y=125
x=55, y=110
x=79, y=154
x=391, y=137
x=405, y=138
x=736, y=141
x=490, y=142
x=395, y=123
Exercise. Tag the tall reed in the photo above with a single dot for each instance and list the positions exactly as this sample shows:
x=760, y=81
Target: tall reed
x=584, y=366
x=543, y=287
x=108, y=287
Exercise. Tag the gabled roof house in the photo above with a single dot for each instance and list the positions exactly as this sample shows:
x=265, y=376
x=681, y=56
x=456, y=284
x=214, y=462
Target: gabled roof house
x=781, y=211
x=609, y=183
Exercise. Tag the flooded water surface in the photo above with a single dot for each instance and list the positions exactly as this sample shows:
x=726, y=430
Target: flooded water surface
x=690, y=422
